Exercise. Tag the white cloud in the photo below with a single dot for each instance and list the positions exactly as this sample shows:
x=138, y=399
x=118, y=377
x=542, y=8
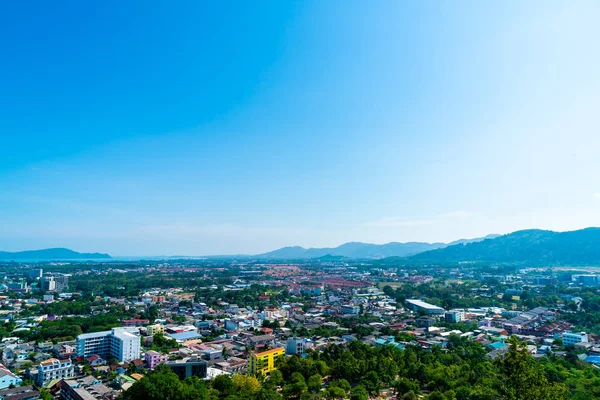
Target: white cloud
x=459, y=214
x=597, y=196
x=391, y=222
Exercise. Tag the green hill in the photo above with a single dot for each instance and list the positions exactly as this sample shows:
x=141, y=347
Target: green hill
x=536, y=247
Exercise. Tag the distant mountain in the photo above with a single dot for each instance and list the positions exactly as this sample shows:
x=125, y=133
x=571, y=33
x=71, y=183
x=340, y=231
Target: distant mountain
x=467, y=241
x=50, y=254
x=536, y=247
x=360, y=250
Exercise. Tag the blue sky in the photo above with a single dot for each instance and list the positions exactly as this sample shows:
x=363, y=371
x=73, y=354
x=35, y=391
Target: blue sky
x=141, y=128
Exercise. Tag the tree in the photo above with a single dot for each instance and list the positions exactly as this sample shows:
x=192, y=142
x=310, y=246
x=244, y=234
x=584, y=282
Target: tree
x=436, y=396
x=224, y=385
x=266, y=394
x=246, y=383
x=297, y=377
x=359, y=393
x=274, y=379
x=315, y=382
x=389, y=291
x=412, y=396
x=162, y=383
x=371, y=382
x=294, y=390
x=45, y=395
x=342, y=384
x=336, y=393
x=523, y=379
x=405, y=385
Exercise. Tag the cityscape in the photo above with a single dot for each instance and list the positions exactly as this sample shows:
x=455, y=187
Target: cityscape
x=300, y=200
x=92, y=330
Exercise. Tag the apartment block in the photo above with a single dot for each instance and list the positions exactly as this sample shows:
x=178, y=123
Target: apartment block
x=117, y=343
x=262, y=363
x=152, y=330
x=52, y=369
x=153, y=358
x=571, y=338
x=295, y=345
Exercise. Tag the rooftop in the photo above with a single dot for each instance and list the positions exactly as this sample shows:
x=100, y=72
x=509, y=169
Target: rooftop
x=422, y=304
x=264, y=353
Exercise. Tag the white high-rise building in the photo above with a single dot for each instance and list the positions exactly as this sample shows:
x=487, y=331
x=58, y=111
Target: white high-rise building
x=118, y=343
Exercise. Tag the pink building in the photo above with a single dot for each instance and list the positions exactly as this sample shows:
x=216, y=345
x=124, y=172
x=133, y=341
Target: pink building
x=153, y=358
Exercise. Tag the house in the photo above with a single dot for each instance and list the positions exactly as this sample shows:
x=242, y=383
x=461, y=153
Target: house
x=138, y=363
x=261, y=340
x=7, y=378
x=96, y=361
x=20, y=393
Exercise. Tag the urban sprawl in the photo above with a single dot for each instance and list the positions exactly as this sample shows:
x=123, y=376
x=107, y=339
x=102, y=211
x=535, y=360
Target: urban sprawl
x=82, y=331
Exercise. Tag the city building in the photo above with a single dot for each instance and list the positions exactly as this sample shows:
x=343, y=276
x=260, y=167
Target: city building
x=57, y=282
x=262, y=363
x=20, y=393
x=419, y=305
x=152, y=330
x=18, y=287
x=188, y=367
x=7, y=378
x=350, y=309
x=588, y=280
x=295, y=345
x=134, y=322
x=53, y=369
x=88, y=388
x=117, y=343
x=571, y=338
x=454, y=316
x=36, y=273
x=153, y=358
x=48, y=284
x=425, y=322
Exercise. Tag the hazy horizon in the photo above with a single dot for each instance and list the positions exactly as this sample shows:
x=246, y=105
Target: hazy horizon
x=208, y=129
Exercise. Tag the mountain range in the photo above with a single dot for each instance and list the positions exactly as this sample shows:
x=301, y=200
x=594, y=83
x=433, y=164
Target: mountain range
x=363, y=250
x=534, y=246
x=51, y=254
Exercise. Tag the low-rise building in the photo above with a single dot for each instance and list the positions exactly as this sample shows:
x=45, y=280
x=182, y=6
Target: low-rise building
x=454, y=316
x=52, y=369
x=153, y=358
x=572, y=338
x=263, y=363
x=295, y=345
x=188, y=367
x=419, y=305
x=7, y=378
x=350, y=309
x=20, y=393
x=152, y=330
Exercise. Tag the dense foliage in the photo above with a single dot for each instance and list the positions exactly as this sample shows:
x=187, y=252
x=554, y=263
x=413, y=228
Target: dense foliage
x=461, y=372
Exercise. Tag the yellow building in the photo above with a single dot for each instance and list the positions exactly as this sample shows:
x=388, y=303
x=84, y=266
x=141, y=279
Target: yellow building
x=154, y=329
x=262, y=363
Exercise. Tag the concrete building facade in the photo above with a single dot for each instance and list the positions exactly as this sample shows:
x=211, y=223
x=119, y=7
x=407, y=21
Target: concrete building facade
x=117, y=343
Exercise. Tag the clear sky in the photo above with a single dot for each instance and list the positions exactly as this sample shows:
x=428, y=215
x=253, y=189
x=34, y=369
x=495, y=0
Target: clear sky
x=205, y=127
